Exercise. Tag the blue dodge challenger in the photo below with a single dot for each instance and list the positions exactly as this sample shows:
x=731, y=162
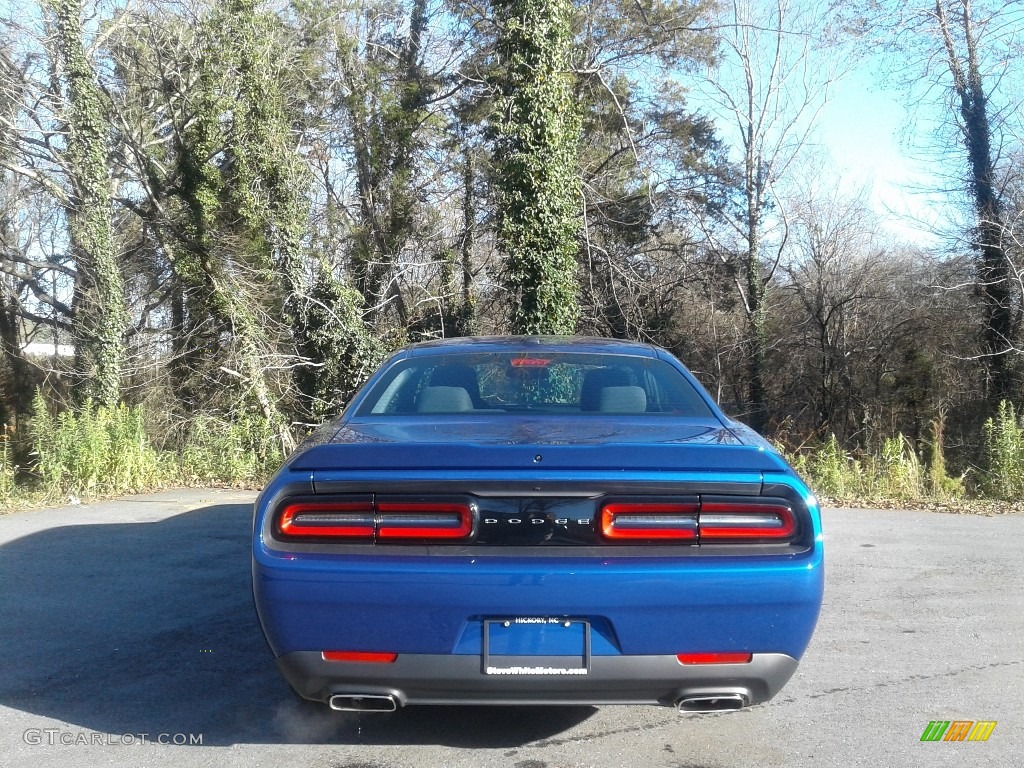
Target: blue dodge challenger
x=536, y=520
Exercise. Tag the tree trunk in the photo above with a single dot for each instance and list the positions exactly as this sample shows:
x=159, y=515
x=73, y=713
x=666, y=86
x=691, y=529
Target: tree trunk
x=101, y=317
x=757, y=339
x=467, y=312
x=993, y=269
x=537, y=167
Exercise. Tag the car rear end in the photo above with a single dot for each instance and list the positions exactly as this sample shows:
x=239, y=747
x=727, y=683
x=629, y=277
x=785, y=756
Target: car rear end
x=631, y=572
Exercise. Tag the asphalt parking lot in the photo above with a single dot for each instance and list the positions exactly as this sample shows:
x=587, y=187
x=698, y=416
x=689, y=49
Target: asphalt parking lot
x=128, y=623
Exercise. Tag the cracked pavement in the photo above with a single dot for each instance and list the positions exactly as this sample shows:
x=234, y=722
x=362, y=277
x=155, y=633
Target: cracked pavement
x=130, y=622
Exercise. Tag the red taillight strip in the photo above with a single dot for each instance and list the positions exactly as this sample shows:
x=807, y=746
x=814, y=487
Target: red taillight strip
x=423, y=520
x=728, y=520
x=709, y=520
x=365, y=657
x=363, y=519
x=714, y=658
x=328, y=518
x=641, y=520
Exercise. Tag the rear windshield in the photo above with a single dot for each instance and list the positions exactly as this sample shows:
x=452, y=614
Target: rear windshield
x=538, y=382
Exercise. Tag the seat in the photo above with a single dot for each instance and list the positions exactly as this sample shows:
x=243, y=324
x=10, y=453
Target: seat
x=444, y=400
x=595, y=381
x=623, y=400
x=458, y=375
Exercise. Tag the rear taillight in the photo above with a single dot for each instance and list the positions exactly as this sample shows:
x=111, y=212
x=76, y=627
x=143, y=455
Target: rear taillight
x=731, y=520
x=386, y=518
x=675, y=521
x=705, y=521
x=423, y=520
x=333, y=519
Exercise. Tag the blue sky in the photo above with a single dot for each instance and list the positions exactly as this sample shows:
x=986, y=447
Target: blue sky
x=864, y=141
x=874, y=141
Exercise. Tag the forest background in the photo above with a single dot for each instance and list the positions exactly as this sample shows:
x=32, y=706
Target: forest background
x=217, y=217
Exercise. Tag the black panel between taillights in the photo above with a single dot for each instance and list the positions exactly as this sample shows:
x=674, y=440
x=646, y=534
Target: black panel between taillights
x=498, y=524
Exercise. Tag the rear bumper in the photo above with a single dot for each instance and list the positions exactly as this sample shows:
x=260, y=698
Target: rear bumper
x=460, y=679
x=434, y=606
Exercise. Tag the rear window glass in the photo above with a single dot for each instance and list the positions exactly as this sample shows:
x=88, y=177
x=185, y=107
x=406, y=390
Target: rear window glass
x=556, y=383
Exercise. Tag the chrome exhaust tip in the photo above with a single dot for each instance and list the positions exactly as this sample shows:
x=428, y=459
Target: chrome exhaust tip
x=723, y=702
x=368, y=702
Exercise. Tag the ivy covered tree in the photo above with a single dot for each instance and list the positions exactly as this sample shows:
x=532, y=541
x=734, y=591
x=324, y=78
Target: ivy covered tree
x=963, y=30
x=537, y=126
x=225, y=195
x=957, y=62
x=100, y=315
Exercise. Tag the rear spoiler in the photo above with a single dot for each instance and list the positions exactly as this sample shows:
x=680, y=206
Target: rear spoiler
x=615, y=457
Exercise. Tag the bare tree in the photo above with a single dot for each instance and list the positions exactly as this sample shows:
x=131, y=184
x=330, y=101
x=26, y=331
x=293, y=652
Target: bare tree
x=772, y=79
x=859, y=357
x=958, y=62
x=962, y=35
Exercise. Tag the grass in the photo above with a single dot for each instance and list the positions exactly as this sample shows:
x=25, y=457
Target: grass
x=894, y=473
x=96, y=451
x=8, y=469
x=1004, y=454
x=236, y=451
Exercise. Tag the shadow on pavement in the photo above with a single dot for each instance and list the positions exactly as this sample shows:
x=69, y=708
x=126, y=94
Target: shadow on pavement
x=150, y=628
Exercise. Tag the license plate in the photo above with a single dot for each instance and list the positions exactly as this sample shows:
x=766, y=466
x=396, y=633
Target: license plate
x=536, y=645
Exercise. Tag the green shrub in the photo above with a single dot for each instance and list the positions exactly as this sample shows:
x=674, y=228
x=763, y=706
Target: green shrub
x=1004, y=454
x=894, y=473
x=7, y=468
x=898, y=473
x=829, y=470
x=235, y=450
x=940, y=484
x=96, y=450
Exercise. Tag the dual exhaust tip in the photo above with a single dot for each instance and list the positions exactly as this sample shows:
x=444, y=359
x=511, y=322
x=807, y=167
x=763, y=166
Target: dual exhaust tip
x=722, y=702
x=369, y=702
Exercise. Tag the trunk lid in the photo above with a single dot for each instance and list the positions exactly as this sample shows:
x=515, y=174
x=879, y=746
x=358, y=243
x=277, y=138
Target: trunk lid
x=541, y=444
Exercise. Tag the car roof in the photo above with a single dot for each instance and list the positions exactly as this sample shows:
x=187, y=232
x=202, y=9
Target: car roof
x=548, y=343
